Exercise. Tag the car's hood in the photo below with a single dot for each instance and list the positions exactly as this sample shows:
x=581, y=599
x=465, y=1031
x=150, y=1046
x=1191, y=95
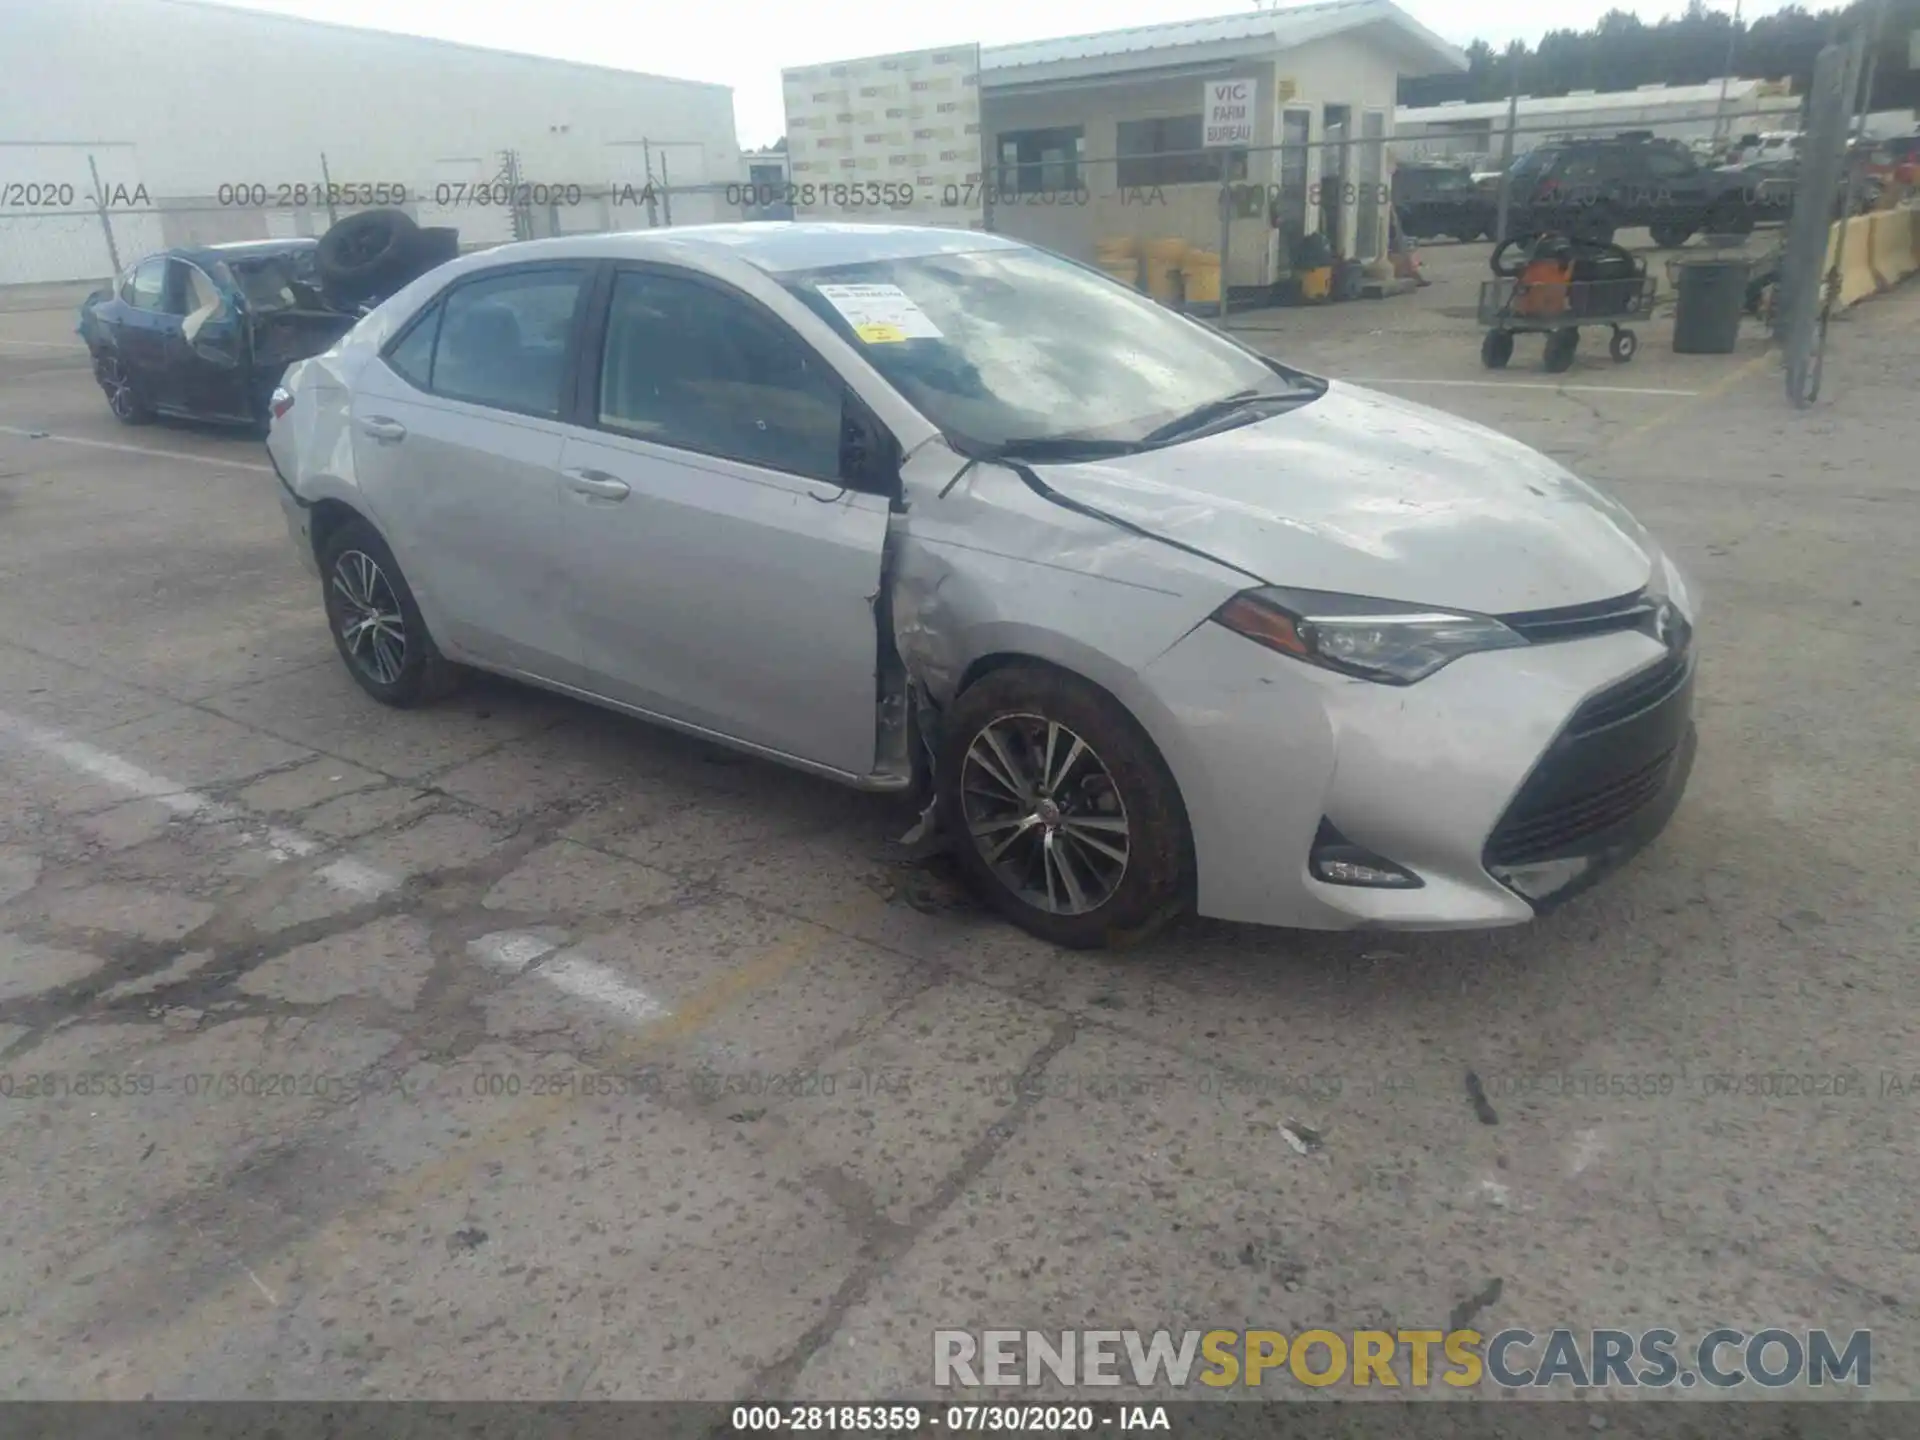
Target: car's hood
x=1366, y=494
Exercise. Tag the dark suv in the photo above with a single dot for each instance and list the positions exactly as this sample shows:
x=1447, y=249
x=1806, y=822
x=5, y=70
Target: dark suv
x=1437, y=199
x=1589, y=188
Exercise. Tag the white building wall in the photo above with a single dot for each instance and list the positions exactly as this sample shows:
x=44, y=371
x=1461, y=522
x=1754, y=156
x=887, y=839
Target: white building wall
x=203, y=95
x=50, y=230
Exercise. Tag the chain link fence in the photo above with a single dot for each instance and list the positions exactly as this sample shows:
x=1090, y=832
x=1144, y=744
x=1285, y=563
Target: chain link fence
x=1339, y=216
x=1218, y=231
x=93, y=216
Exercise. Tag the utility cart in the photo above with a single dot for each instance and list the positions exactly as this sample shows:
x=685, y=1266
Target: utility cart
x=1553, y=285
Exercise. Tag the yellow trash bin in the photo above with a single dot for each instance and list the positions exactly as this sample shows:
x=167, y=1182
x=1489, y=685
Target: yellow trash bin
x=1163, y=259
x=1201, y=273
x=1119, y=256
x=1316, y=284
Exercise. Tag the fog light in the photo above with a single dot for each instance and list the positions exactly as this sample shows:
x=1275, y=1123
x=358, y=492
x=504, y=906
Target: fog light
x=1338, y=861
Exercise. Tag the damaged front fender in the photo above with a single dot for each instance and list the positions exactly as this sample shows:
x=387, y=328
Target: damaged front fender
x=982, y=567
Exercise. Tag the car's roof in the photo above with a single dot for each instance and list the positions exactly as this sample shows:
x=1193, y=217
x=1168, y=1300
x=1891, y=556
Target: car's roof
x=775, y=246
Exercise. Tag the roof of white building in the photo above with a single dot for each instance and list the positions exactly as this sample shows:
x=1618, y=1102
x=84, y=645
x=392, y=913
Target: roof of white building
x=1249, y=33
x=1581, y=102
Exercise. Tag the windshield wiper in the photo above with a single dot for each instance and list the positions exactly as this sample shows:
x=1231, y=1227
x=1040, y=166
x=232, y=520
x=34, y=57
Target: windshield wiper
x=1060, y=449
x=1202, y=417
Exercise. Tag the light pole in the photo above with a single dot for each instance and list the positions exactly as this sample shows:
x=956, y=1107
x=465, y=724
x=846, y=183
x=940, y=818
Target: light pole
x=1726, y=76
x=1504, y=207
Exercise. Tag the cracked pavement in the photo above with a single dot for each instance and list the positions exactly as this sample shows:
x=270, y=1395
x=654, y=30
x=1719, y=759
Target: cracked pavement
x=512, y=1049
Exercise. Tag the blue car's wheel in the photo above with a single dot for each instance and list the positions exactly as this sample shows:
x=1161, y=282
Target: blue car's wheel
x=123, y=394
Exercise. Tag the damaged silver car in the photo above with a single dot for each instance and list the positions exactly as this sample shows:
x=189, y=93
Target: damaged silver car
x=1153, y=622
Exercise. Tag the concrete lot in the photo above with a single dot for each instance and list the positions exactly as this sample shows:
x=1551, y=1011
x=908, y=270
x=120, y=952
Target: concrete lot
x=513, y=1049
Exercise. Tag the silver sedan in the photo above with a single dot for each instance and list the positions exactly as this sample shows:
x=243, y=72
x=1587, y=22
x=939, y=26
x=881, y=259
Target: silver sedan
x=1152, y=622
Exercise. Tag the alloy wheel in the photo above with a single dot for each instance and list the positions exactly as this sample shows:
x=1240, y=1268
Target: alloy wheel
x=1044, y=814
x=114, y=380
x=373, y=632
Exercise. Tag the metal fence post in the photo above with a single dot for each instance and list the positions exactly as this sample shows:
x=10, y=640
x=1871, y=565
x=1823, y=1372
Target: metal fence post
x=326, y=179
x=1804, y=272
x=666, y=190
x=646, y=157
x=100, y=204
x=1226, y=225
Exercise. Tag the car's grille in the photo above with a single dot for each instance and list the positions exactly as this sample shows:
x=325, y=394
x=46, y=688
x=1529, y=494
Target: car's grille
x=1633, y=696
x=1523, y=838
x=1612, y=760
x=1632, y=611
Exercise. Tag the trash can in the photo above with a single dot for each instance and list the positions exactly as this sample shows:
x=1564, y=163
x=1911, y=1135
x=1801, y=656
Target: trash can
x=1201, y=272
x=1711, y=294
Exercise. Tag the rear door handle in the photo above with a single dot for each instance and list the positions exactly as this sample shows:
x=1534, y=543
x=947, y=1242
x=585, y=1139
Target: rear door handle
x=597, y=483
x=384, y=429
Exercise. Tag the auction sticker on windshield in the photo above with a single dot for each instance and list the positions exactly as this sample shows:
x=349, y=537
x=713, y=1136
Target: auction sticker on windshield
x=880, y=314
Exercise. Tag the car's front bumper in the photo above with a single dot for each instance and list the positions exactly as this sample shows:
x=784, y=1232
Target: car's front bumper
x=1505, y=782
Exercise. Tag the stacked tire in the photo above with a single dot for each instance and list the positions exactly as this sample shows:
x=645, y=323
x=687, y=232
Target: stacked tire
x=370, y=254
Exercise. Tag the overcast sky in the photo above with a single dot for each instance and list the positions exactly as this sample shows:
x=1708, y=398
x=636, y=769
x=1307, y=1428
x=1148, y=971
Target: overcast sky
x=744, y=43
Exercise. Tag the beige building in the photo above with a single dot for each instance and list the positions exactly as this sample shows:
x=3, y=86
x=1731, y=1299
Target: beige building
x=1098, y=136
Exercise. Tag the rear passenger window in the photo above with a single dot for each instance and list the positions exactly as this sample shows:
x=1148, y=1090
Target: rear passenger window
x=503, y=341
x=412, y=358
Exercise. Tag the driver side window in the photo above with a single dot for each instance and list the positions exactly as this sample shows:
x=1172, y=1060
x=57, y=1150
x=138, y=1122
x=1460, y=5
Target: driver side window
x=691, y=366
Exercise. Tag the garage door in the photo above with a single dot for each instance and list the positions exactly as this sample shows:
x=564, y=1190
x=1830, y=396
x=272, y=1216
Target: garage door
x=50, y=229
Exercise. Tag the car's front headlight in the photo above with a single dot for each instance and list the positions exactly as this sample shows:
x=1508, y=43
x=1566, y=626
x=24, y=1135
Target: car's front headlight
x=1380, y=640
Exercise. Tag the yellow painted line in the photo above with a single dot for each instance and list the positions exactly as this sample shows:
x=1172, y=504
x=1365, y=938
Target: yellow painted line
x=1712, y=392
x=148, y=1365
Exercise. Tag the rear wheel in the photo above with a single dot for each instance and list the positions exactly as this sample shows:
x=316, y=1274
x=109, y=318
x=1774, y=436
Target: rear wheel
x=1624, y=346
x=1497, y=349
x=1561, y=345
x=124, y=396
x=1064, y=815
x=376, y=625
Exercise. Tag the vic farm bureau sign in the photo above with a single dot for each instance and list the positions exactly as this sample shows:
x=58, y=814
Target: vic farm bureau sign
x=1229, y=112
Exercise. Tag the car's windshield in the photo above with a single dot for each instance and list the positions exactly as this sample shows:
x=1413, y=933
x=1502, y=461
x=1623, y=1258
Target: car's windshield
x=1003, y=345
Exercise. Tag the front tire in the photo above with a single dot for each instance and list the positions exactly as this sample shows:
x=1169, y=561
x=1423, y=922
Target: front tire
x=1065, y=817
x=376, y=625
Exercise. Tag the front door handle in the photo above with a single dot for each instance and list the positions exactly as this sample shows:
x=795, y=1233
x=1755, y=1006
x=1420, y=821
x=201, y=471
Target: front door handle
x=597, y=483
x=384, y=429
